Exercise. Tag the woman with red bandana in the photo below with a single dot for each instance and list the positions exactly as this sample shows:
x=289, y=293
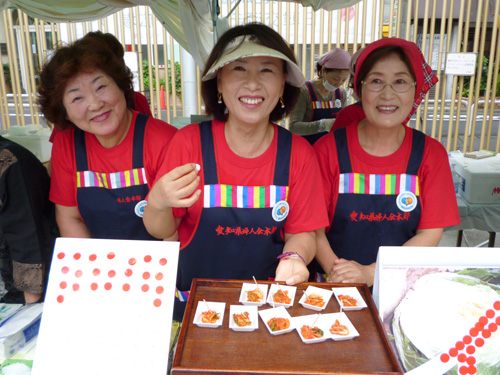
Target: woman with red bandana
x=385, y=183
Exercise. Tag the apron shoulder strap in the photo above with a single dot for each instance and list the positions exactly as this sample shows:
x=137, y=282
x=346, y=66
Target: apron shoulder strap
x=340, y=136
x=310, y=87
x=80, y=150
x=208, y=153
x=417, y=152
x=138, y=146
x=283, y=156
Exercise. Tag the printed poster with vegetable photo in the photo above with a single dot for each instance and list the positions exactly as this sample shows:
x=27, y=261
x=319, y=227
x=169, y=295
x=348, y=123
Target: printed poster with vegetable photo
x=441, y=308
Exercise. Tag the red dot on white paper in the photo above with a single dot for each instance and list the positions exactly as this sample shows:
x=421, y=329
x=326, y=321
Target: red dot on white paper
x=112, y=273
x=79, y=273
x=486, y=334
x=126, y=287
x=159, y=289
x=77, y=256
x=453, y=352
x=93, y=286
x=63, y=284
x=445, y=357
x=472, y=370
x=145, y=287
x=157, y=302
x=471, y=361
x=462, y=357
x=111, y=255
x=108, y=286
x=132, y=261
x=163, y=261
x=492, y=327
x=470, y=349
x=496, y=305
x=459, y=345
x=65, y=269
x=146, y=275
x=60, y=256
x=96, y=271
x=92, y=257
x=60, y=299
x=128, y=272
x=464, y=370
x=159, y=276
x=147, y=258
x=479, y=342
x=467, y=339
x=490, y=314
x=76, y=287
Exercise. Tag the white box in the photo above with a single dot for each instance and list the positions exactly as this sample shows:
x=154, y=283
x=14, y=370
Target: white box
x=478, y=179
x=33, y=137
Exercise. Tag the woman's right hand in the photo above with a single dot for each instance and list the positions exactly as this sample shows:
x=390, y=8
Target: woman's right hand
x=178, y=188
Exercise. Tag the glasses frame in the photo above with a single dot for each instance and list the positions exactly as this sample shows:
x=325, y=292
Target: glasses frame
x=390, y=84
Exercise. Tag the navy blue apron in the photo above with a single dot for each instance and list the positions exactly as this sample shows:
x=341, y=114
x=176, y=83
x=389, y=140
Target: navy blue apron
x=239, y=231
x=322, y=109
x=112, y=204
x=374, y=210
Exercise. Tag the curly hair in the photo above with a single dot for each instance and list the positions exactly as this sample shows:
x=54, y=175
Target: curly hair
x=265, y=36
x=83, y=56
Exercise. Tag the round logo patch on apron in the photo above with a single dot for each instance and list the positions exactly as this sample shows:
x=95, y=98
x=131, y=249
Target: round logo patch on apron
x=139, y=208
x=280, y=211
x=406, y=201
x=338, y=103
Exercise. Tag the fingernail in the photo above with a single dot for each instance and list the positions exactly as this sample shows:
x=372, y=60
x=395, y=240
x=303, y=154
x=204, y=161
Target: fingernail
x=197, y=167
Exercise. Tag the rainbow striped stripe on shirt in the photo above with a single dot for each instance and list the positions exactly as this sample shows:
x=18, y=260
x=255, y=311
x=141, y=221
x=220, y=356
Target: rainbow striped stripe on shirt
x=323, y=105
x=378, y=184
x=133, y=177
x=243, y=196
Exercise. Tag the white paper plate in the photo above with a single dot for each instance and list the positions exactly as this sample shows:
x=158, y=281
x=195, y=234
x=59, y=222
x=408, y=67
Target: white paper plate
x=219, y=307
x=252, y=314
x=278, y=312
x=309, y=320
x=325, y=293
x=248, y=287
x=352, y=292
x=275, y=288
x=329, y=320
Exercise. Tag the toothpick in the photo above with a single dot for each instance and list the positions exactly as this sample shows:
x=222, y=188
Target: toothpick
x=256, y=283
x=316, y=320
x=206, y=304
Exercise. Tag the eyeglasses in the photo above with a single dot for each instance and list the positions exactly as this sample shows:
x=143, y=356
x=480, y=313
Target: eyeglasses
x=399, y=85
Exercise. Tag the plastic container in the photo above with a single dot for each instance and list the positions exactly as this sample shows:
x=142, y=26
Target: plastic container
x=34, y=137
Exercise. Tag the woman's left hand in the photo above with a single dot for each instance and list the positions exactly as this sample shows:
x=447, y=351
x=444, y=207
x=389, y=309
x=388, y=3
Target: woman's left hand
x=292, y=270
x=349, y=271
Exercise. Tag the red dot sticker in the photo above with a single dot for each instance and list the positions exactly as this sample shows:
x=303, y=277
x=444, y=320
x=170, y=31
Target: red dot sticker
x=479, y=326
x=445, y=357
x=467, y=339
x=157, y=302
x=145, y=287
x=462, y=358
x=472, y=370
x=126, y=287
x=459, y=345
x=159, y=276
x=92, y=257
x=128, y=272
x=473, y=332
x=76, y=287
x=65, y=269
x=159, y=289
x=490, y=314
x=471, y=361
x=63, y=284
x=60, y=299
x=96, y=272
x=93, y=286
x=112, y=273
x=163, y=261
x=479, y=343
x=60, y=255
x=483, y=320
x=496, y=305
x=132, y=261
x=486, y=334
x=464, y=370
x=147, y=258
x=453, y=352
x=470, y=349
x=77, y=256
x=497, y=320
x=108, y=286
x=493, y=327
x=78, y=273
x=111, y=255
x=146, y=275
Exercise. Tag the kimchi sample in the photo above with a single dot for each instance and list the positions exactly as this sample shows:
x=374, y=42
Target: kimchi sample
x=282, y=297
x=309, y=333
x=278, y=324
x=339, y=329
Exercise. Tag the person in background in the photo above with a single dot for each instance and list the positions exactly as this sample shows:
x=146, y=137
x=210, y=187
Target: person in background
x=385, y=184
x=321, y=99
x=108, y=154
x=27, y=224
x=240, y=190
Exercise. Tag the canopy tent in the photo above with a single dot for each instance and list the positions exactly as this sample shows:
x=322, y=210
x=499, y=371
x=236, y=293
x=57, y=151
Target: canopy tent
x=192, y=23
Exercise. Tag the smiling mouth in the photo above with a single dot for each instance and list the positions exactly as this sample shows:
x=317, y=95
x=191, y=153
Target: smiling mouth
x=100, y=117
x=251, y=101
x=387, y=108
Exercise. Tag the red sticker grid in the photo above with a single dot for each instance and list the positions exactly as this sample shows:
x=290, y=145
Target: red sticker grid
x=104, y=281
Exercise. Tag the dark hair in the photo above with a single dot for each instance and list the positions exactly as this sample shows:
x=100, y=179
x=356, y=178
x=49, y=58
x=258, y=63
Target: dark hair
x=327, y=70
x=112, y=43
x=265, y=36
x=84, y=55
x=378, y=54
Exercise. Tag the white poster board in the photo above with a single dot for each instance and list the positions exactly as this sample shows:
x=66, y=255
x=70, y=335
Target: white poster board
x=108, y=308
x=461, y=63
x=442, y=306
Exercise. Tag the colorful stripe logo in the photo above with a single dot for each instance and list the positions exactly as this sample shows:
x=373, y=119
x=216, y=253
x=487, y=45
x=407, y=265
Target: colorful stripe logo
x=378, y=184
x=243, y=196
x=117, y=180
x=323, y=105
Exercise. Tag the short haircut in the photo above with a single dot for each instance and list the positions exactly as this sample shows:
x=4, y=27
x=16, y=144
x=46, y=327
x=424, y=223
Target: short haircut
x=378, y=54
x=83, y=56
x=265, y=36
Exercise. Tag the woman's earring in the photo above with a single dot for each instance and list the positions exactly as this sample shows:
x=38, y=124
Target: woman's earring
x=219, y=98
x=282, y=102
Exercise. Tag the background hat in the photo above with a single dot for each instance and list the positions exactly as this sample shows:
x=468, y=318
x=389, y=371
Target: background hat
x=425, y=78
x=336, y=59
x=248, y=46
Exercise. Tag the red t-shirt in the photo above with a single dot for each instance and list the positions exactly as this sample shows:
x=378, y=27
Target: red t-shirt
x=106, y=160
x=307, y=210
x=437, y=193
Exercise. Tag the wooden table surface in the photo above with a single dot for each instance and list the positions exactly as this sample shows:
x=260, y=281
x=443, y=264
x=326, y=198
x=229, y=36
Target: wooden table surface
x=224, y=351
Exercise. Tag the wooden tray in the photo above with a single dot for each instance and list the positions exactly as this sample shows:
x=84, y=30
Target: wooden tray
x=224, y=351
